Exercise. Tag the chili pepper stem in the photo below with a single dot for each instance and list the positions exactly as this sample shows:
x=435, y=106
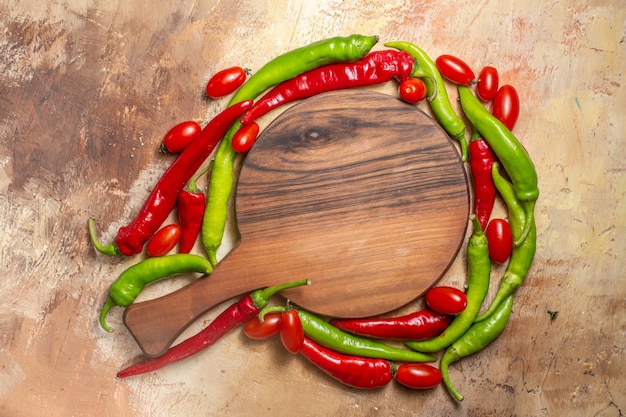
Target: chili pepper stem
x=110, y=249
x=261, y=297
x=270, y=309
x=103, y=314
x=191, y=185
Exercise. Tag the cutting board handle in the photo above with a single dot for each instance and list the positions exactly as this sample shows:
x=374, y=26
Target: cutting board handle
x=157, y=323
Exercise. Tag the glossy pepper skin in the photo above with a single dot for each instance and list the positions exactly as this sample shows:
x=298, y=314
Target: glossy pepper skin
x=279, y=69
x=190, y=208
x=127, y=287
x=510, y=152
x=481, y=158
x=354, y=371
x=375, y=68
x=234, y=316
x=418, y=325
x=131, y=238
x=478, y=276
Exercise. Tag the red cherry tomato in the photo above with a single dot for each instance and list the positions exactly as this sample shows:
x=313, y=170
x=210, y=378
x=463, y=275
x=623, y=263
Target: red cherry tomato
x=245, y=137
x=180, y=136
x=500, y=240
x=164, y=240
x=412, y=90
x=446, y=300
x=225, y=82
x=487, y=85
x=455, y=69
x=505, y=106
x=291, y=332
x=418, y=375
x=256, y=329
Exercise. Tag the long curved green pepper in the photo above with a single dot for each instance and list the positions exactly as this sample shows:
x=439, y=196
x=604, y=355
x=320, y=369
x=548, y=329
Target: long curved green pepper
x=479, y=273
x=476, y=338
x=522, y=255
x=126, y=288
x=438, y=95
x=509, y=151
x=279, y=69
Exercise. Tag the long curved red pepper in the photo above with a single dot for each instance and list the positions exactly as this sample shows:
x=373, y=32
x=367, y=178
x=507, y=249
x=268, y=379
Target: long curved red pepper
x=131, y=239
x=234, y=316
x=354, y=371
x=190, y=207
x=375, y=68
x=481, y=158
x=420, y=325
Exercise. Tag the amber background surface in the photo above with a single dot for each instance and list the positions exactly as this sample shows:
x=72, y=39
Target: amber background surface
x=87, y=90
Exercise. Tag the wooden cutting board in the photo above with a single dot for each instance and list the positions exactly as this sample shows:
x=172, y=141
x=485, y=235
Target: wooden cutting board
x=356, y=190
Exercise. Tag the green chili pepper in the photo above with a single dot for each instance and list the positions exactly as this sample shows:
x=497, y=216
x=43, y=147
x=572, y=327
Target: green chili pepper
x=437, y=93
x=522, y=255
x=509, y=151
x=476, y=338
x=333, y=338
x=133, y=280
x=479, y=272
x=279, y=69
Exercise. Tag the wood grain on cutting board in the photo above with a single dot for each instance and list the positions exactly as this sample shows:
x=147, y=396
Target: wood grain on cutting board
x=87, y=90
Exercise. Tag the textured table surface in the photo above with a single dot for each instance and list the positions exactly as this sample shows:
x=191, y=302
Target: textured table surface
x=87, y=90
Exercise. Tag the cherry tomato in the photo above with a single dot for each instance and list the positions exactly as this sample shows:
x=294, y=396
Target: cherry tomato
x=245, y=137
x=505, y=106
x=180, y=136
x=164, y=240
x=487, y=85
x=291, y=332
x=418, y=375
x=412, y=90
x=256, y=329
x=455, y=69
x=500, y=240
x=446, y=300
x=225, y=82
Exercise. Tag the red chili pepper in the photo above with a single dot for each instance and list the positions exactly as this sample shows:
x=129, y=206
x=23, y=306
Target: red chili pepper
x=481, y=159
x=131, y=239
x=234, y=316
x=420, y=325
x=354, y=371
x=375, y=68
x=190, y=207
